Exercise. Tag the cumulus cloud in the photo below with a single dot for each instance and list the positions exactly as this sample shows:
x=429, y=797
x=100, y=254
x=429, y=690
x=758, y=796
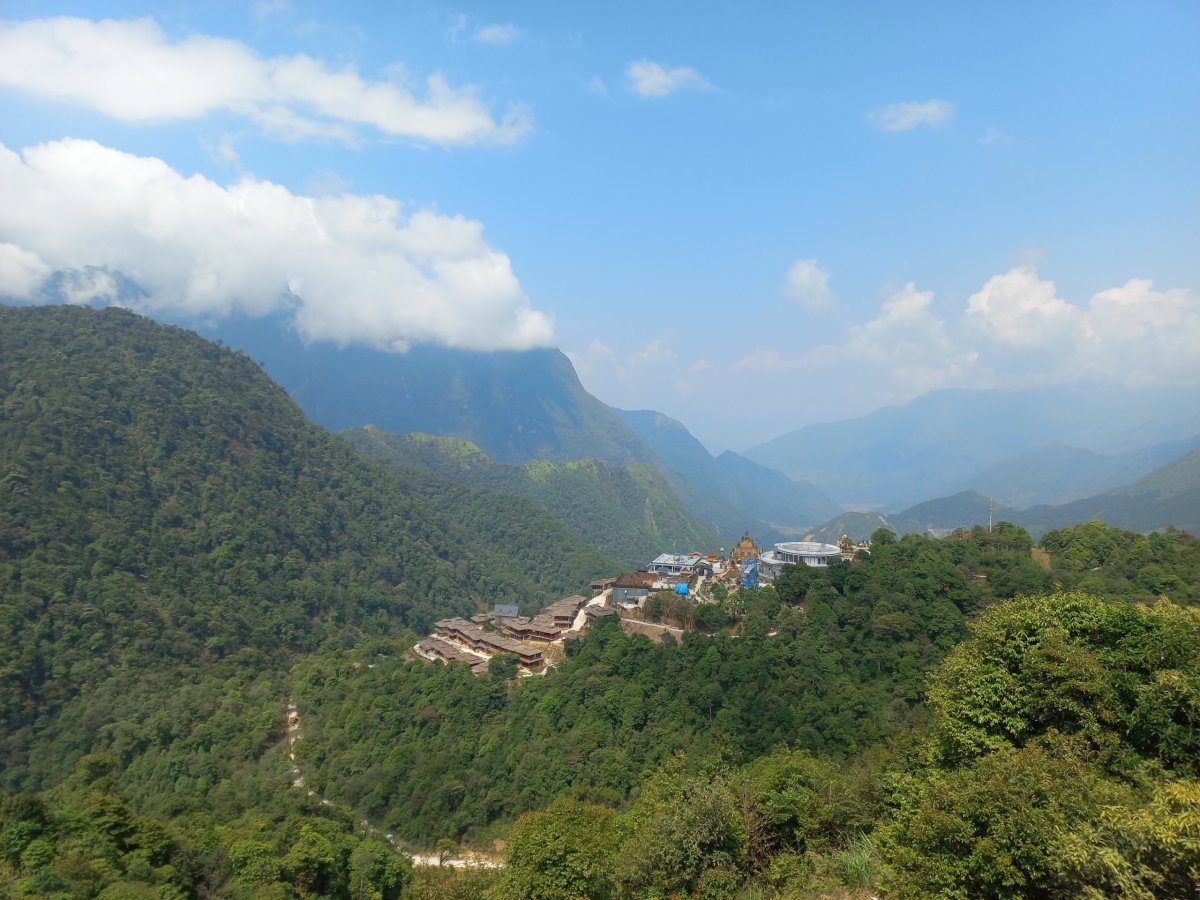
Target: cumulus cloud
x=911, y=344
x=497, y=34
x=649, y=79
x=1132, y=334
x=21, y=272
x=130, y=71
x=907, y=116
x=350, y=268
x=808, y=283
x=1014, y=331
x=1021, y=310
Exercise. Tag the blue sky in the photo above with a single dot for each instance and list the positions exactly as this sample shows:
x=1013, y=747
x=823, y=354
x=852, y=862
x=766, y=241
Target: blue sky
x=700, y=203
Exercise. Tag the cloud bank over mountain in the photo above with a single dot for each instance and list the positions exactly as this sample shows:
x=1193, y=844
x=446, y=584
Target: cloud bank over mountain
x=87, y=223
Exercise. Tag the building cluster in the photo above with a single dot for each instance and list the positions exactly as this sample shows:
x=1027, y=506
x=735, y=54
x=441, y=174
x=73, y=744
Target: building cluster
x=531, y=639
x=505, y=631
x=485, y=644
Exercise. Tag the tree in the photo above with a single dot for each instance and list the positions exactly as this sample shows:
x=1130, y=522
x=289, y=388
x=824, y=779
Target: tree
x=881, y=537
x=681, y=826
x=1114, y=677
x=994, y=828
x=561, y=853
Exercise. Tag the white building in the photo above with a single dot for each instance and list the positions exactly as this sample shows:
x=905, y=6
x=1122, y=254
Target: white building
x=674, y=564
x=808, y=553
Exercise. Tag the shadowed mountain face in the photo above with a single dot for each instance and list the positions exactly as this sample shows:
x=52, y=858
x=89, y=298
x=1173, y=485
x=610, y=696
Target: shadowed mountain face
x=515, y=406
x=523, y=406
x=938, y=444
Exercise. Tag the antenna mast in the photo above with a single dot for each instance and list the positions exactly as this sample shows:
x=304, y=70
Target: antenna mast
x=991, y=506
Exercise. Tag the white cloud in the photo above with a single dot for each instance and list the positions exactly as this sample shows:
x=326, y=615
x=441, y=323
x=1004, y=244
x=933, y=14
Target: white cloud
x=911, y=345
x=649, y=79
x=21, y=272
x=907, y=116
x=226, y=152
x=351, y=268
x=1020, y=309
x=593, y=362
x=597, y=86
x=497, y=34
x=1142, y=336
x=808, y=283
x=621, y=375
x=1014, y=331
x=130, y=71
x=457, y=25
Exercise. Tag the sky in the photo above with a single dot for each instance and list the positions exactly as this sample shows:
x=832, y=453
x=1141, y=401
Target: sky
x=748, y=216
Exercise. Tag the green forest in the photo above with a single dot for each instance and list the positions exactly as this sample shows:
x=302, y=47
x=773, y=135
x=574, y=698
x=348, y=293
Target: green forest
x=627, y=511
x=182, y=554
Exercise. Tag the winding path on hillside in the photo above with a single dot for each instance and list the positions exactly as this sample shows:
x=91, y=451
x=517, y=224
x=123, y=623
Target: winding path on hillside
x=470, y=860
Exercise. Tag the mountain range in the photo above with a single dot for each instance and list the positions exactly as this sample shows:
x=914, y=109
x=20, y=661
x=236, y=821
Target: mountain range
x=1169, y=496
x=521, y=407
x=997, y=442
x=1022, y=448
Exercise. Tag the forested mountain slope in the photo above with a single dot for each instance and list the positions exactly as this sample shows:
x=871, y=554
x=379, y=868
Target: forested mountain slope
x=446, y=754
x=628, y=511
x=169, y=520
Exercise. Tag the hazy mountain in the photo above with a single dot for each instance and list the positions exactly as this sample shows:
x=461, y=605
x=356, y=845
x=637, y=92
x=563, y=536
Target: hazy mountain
x=1170, y=495
x=934, y=444
x=730, y=480
x=1054, y=475
x=628, y=512
x=964, y=510
x=933, y=518
x=516, y=406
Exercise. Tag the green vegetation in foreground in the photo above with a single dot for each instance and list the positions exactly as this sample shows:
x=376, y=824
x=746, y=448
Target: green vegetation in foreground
x=1060, y=760
x=628, y=511
x=793, y=748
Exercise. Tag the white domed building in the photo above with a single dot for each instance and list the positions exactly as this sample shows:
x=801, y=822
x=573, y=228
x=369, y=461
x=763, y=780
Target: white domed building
x=806, y=553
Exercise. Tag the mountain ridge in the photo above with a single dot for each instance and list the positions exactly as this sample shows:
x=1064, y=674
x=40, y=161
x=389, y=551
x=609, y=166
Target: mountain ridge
x=934, y=445
x=627, y=511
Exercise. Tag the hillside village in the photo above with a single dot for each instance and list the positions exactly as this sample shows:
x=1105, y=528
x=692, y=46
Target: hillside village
x=538, y=642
